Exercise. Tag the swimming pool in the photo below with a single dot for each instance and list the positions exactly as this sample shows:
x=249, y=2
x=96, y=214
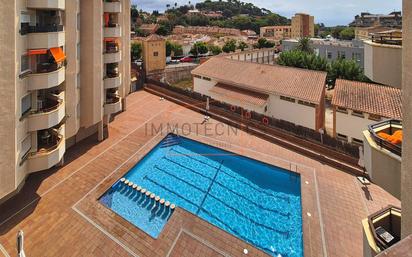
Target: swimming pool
x=255, y=202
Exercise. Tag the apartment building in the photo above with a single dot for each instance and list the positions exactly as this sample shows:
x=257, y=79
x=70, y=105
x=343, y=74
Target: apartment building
x=206, y=30
x=365, y=33
x=285, y=93
x=365, y=19
x=356, y=105
x=333, y=49
x=276, y=33
x=65, y=71
x=383, y=58
x=303, y=25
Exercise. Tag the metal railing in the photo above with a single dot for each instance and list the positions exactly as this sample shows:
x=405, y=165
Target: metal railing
x=396, y=149
x=387, y=39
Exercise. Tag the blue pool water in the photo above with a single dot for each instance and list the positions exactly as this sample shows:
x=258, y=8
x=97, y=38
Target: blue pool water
x=255, y=202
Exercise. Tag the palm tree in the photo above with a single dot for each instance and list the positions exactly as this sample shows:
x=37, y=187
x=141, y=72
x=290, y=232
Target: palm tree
x=304, y=45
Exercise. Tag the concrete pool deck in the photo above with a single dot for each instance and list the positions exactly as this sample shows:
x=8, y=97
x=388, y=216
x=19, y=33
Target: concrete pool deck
x=58, y=211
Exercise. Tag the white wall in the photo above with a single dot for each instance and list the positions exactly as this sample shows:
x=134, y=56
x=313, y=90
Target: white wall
x=293, y=112
x=352, y=126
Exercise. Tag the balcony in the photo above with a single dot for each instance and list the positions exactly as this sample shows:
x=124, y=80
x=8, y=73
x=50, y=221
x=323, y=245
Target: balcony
x=50, y=150
x=113, y=82
x=46, y=37
x=112, y=7
x=48, y=75
x=382, y=144
x=113, y=105
x=47, y=4
x=51, y=113
x=112, y=57
x=381, y=230
x=112, y=30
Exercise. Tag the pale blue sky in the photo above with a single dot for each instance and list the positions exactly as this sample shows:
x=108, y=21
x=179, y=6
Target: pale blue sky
x=330, y=12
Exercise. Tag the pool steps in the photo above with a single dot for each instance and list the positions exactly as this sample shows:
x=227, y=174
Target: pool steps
x=148, y=194
x=170, y=140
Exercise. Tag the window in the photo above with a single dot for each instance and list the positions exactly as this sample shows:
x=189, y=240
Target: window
x=24, y=23
x=25, y=104
x=25, y=146
x=358, y=114
x=357, y=141
x=24, y=63
x=266, y=108
x=289, y=99
x=156, y=54
x=206, y=78
x=78, y=22
x=307, y=104
x=78, y=51
x=78, y=80
x=342, y=110
x=329, y=55
x=342, y=137
x=341, y=54
x=197, y=76
x=78, y=110
x=356, y=57
x=375, y=117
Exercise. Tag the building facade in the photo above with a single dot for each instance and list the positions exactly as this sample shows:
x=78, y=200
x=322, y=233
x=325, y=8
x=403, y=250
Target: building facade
x=276, y=33
x=365, y=19
x=383, y=59
x=303, y=25
x=332, y=50
x=356, y=105
x=270, y=90
x=154, y=54
x=66, y=70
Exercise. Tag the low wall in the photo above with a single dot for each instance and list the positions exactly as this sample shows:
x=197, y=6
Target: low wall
x=172, y=74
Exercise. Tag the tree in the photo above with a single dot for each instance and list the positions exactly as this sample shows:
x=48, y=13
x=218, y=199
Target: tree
x=345, y=69
x=304, y=45
x=347, y=34
x=163, y=30
x=136, y=51
x=215, y=50
x=173, y=49
x=229, y=46
x=199, y=48
x=264, y=43
x=242, y=45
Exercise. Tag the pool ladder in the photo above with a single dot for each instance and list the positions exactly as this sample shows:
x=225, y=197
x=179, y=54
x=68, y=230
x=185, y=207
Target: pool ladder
x=170, y=140
x=149, y=194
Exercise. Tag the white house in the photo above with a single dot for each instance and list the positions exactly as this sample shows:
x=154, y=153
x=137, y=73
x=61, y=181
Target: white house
x=291, y=94
x=356, y=105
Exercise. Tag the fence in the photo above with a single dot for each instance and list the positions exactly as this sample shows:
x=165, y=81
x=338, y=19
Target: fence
x=257, y=120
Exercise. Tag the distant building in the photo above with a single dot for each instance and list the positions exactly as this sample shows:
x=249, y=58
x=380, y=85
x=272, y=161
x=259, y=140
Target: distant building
x=249, y=34
x=332, y=49
x=286, y=93
x=365, y=33
x=383, y=58
x=149, y=29
x=262, y=56
x=357, y=105
x=206, y=30
x=303, y=25
x=365, y=19
x=154, y=54
x=276, y=33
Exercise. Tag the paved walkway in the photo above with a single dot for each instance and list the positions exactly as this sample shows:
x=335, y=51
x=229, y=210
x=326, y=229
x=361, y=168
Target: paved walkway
x=58, y=211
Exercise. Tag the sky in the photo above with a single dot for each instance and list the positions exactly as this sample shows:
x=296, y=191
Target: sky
x=329, y=12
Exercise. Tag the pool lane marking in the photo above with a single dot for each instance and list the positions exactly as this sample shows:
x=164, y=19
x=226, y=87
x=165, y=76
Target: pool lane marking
x=73, y=173
x=208, y=189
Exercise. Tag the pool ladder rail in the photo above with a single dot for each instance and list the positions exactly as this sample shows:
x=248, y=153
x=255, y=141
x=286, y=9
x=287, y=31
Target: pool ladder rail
x=148, y=194
x=170, y=140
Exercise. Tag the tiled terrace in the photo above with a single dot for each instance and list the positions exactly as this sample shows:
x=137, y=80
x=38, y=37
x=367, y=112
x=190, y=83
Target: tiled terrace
x=60, y=216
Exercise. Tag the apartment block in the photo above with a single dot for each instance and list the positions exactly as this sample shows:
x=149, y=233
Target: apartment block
x=276, y=32
x=303, y=25
x=365, y=19
x=65, y=71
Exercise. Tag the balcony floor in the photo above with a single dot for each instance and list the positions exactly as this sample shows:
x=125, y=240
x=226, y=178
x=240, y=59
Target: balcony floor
x=58, y=211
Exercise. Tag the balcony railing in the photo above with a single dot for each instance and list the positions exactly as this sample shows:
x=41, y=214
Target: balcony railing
x=391, y=126
x=387, y=39
x=45, y=28
x=48, y=143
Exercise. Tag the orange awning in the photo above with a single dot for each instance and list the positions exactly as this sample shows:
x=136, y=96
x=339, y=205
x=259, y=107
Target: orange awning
x=37, y=51
x=111, y=39
x=58, y=54
x=106, y=19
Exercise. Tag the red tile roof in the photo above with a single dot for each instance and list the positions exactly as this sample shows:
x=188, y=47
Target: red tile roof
x=302, y=84
x=369, y=98
x=239, y=94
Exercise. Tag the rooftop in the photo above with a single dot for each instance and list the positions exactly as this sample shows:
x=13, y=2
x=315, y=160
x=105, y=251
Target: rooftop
x=302, y=84
x=369, y=98
x=239, y=94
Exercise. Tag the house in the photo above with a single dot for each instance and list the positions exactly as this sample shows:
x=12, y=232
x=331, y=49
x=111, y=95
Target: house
x=290, y=94
x=356, y=105
x=276, y=32
x=149, y=29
